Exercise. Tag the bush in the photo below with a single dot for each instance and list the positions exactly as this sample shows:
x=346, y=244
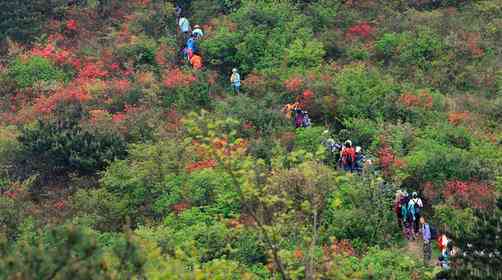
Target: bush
x=142, y=52
x=35, y=69
x=61, y=146
x=422, y=49
x=362, y=92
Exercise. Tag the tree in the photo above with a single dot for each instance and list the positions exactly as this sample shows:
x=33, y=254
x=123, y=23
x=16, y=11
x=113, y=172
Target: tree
x=480, y=254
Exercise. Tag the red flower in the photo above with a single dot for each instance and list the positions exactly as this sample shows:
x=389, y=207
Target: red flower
x=456, y=118
x=71, y=25
x=93, y=71
x=176, y=78
x=294, y=84
x=210, y=163
x=469, y=194
x=119, y=117
x=59, y=205
x=362, y=30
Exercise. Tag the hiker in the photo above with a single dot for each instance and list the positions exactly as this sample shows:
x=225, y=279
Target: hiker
x=360, y=160
x=184, y=25
x=443, y=243
x=397, y=208
x=288, y=109
x=192, y=44
x=298, y=117
x=196, y=61
x=426, y=236
x=197, y=32
x=443, y=263
x=177, y=12
x=407, y=217
x=306, y=120
x=415, y=206
x=348, y=156
x=235, y=80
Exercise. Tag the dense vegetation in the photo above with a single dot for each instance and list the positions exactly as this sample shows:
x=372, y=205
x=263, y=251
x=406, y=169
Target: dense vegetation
x=119, y=161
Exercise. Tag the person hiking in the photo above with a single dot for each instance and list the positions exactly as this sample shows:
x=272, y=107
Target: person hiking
x=348, y=156
x=197, y=32
x=196, y=61
x=306, y=120
x=177, y=13
x=184, y=25
x=235, y=80
x=360, y=160
x=299, y=118
x=426, y=236
x=443, y=243
x=407, y=217
x=192, y=44
x=397, y=208
x=415, y=205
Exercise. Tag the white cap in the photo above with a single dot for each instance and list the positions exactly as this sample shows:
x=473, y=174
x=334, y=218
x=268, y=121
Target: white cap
x=234, y=70
x=358, y=149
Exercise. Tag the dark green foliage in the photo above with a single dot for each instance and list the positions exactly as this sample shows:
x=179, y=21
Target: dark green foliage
x=62, y=146
x=479, y=255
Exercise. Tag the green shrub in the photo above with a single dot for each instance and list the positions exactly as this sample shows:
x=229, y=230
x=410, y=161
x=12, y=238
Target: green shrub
x=388, y=44
x=362, y=92
x=142, y=52
x=421, y=50
x=309, y=139
x=35, y=69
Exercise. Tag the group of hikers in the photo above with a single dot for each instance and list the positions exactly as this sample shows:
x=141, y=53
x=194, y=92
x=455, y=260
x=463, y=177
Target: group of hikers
x=408, y=210
x=191, y=38
x=348, y=157
x=190, y=50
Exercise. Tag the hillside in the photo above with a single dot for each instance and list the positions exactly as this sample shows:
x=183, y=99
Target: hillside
x=282, y=140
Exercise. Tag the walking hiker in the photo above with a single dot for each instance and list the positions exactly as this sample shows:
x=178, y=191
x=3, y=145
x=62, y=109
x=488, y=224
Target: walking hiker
x=235, y=80
x=360, y=160
x=397, y=208
x=426, y=236
x=184, y=25
x=415, y=206
x=196, y=61
x=306, y=120
x=299, y=118
x=348, y=156
x=197, y=32
x=407, y=217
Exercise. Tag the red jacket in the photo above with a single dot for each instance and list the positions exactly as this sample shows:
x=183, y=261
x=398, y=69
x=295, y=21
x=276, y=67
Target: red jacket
x=349, y=152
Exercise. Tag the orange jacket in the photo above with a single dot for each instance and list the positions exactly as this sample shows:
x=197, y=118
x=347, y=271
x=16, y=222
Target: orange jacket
x=196, y=61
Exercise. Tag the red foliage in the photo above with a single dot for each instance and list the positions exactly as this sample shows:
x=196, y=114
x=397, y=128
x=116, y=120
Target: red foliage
x=361, y=30
x=469, y=194
x=456, y=118
x=421, y=100
x=178, y=208
x=210, y=163
x=298, y=253
x=71, y=25
x=294, y=84
x=472, y=41
x=93, y=70
x=342, y=247
x=173, y=122
x=59, y=205
x=119, y=117
x=75, y=92
x=388, y=160
x=255, y=82
x=11, y=194
x=176, y=78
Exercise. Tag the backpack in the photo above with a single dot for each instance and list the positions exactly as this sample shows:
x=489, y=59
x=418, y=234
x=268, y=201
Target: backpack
x=434, y=232
x=348, y=156
x=306, y=121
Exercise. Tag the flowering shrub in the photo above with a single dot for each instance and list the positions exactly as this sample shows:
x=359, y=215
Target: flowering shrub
x=469, y=194
x=210, y=163
x=294, y=84
x=360, y=30
x=423, y=99
x=176, y=78
x=388, y=160
x=457, y=118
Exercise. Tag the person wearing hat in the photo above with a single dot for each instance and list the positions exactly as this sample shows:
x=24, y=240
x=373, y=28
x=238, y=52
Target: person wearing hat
x=184, y=25
x=235, y=80
x=197, y=32
x=360, y=159
x=415, y=205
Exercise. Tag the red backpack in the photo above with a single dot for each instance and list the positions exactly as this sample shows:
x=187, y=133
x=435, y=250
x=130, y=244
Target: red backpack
x=349, y=156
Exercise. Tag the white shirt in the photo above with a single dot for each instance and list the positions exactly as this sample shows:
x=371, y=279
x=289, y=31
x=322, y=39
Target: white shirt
x=198, y=32
x=416, y=201
x=184, y=24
